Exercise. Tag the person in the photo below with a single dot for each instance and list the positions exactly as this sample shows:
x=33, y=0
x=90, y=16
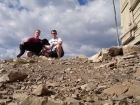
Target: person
x=56, y=46
x=33, y=39
x=36, y=39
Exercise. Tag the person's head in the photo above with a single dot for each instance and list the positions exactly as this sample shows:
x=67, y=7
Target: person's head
x=37, y=33
x=54, y=33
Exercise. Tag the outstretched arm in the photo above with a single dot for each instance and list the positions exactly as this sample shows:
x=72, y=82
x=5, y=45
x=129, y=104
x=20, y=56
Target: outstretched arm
x=58, y=43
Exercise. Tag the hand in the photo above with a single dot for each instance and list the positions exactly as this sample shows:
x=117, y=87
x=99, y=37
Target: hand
x=53, y=45
x=22, y=43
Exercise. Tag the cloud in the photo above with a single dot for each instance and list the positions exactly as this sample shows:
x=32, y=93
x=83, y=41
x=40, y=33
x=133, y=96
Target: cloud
x=84, y=29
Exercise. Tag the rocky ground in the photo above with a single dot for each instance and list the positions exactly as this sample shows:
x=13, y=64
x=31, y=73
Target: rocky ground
x=72, y=81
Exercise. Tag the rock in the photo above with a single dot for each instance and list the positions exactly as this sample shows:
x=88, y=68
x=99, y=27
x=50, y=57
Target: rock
x=118, y=89
x=81, y=56
x=129, y=56
x=13, y=76
x=122, y=97
x=40, y=90
x=101, y=87
x=54, y=102
x=12, y=103
x=20, y=96
x=2, y=71
x=33, y=100
x=131, y=49
x=75, y=96
x=96, y=57
x=112, y=51
x=138, y=78
x=137, y=74
x=108, y=102
x=123, y=102
x=138, y=97
x=43, y=57
x=134, y=89
x=115, y=50
x=111, y=64
x=70, y=99
x=53, y=84
x=88, y=87
x=3, y=101
x=1, y=60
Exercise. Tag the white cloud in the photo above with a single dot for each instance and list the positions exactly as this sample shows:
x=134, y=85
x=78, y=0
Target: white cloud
x=84, y=29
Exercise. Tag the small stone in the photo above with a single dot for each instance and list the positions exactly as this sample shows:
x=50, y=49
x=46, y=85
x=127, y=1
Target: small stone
x=40, y=90
x=75, y=96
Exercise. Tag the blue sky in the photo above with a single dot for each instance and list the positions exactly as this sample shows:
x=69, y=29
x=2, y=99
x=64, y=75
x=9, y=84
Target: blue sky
x=85, y=26
x=82, y=2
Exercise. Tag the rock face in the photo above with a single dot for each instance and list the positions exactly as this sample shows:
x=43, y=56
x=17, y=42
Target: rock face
x=113, y=78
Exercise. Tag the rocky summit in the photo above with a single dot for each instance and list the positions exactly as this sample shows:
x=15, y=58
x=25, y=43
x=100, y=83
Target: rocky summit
x=110, y=77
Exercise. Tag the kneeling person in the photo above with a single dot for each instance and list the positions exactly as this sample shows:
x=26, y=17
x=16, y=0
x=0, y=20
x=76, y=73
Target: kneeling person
x=34, y=47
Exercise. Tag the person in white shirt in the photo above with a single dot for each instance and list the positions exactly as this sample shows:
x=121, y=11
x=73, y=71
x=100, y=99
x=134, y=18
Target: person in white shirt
x=56, y=46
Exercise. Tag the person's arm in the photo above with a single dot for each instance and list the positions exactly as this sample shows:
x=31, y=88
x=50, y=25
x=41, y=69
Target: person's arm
x=60, y=43
x=28, y=40
x=47, y=48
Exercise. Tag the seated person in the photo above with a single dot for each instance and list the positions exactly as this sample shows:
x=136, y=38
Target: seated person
x=56, y=46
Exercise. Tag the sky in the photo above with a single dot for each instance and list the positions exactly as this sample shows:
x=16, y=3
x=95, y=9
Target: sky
x=85, y=26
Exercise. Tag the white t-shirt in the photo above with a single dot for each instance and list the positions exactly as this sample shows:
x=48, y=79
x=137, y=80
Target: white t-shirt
x=54, y=41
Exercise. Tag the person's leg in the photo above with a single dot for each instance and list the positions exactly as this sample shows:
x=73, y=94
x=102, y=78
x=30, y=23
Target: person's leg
x=59, y=50
x=22, y=50
x=30, y=54
x=62, y=53
x=44, y=53
x=52, y=54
